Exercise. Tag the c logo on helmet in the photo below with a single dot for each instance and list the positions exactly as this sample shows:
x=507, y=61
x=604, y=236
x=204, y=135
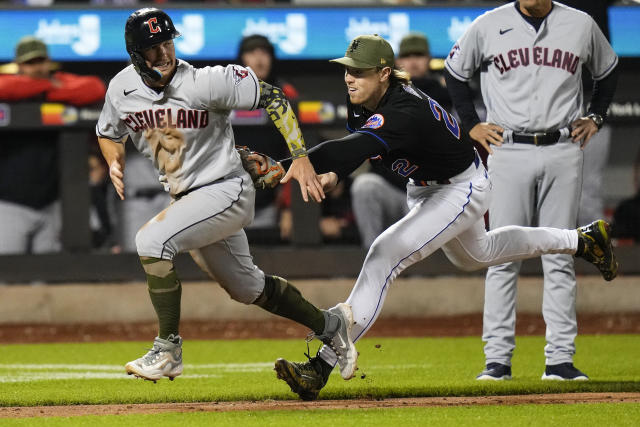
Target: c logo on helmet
x=374, y=122
x=153, y=25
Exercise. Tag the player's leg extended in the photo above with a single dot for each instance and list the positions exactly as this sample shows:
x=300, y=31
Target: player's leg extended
x=229, y=262
x=198, y=219
x=558, y=207
x=476, y=248
x=437, y=215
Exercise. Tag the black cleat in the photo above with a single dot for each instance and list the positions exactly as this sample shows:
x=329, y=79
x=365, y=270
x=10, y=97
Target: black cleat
x=495, y=372
x=564, y=372
x=595, y=247
x=305, y=379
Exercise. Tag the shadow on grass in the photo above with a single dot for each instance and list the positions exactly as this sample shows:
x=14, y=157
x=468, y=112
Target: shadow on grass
x=485, y=389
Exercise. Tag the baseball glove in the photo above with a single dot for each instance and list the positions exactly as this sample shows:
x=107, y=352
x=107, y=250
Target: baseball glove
x=265, y=171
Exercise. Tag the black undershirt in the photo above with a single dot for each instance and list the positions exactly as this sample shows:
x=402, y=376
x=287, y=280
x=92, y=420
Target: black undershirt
x=343, y=155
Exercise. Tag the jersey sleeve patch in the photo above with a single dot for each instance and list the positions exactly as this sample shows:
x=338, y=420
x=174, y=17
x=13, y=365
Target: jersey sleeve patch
x=239, y=73
x=374, y=122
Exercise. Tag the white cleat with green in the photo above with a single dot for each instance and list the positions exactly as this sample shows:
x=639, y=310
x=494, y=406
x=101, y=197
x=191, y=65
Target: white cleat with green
x=163, y=360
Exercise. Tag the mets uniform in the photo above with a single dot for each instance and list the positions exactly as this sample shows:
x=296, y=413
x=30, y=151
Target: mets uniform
x=531, y=86
x=448, y=192
x=185, y=131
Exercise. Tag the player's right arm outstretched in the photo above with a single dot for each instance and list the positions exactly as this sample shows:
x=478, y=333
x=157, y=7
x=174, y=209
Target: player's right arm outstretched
x=113, y=153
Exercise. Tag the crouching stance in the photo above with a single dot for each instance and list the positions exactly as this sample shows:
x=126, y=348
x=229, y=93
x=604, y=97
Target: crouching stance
x=177, y=116
x=448, y=193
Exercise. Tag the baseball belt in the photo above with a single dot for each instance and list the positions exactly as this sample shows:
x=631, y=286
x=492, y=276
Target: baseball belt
x=537, y=138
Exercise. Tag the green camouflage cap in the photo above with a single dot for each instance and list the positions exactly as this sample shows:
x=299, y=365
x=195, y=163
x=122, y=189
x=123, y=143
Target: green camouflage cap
x=413, y=44
x=29, y=48
x=367, y=51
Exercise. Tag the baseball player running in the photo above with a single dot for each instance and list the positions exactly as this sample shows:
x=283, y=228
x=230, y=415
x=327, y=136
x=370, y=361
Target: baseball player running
x=177, y=116
x=448, y=192
x=530, y=54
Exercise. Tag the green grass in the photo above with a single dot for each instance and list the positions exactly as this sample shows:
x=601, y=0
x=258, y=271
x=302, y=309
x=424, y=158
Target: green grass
x=63, y=374
x=622, y=414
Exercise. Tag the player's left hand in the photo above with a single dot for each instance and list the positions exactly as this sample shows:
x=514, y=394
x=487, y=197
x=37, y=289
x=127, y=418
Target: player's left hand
x=328, y=180
x=582, y=130
x=302, y=171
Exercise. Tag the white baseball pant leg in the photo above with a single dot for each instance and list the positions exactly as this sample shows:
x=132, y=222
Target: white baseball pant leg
x=448, y=217
x=208, y=222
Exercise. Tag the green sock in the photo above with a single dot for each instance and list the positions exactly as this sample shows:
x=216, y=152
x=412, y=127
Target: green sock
x=165, y=291
x=282, y=298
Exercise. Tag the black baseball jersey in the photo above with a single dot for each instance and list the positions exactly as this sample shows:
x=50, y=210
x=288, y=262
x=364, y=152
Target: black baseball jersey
x=421, y=140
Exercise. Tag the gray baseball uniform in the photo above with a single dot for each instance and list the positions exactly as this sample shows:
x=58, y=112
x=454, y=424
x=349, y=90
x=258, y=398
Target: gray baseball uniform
x=185, y=131
x=531, y=82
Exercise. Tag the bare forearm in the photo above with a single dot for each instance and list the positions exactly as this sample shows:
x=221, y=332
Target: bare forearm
x=111, y=151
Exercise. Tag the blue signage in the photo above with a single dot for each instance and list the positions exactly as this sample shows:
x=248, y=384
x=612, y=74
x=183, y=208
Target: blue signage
x=297, y=33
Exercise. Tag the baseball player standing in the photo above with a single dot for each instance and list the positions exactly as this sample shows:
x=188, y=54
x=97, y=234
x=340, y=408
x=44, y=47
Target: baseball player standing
x=531, y=54
x=448, y=193
x=177, y=116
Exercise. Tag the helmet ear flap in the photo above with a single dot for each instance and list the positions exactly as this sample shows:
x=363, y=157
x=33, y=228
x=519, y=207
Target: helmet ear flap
x=142, y=68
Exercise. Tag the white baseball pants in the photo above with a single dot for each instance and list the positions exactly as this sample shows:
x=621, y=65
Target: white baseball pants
x=450, y=217
x=208, y=223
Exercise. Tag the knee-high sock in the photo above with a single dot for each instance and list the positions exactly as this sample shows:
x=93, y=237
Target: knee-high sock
x=282, y=298
x=165, y=291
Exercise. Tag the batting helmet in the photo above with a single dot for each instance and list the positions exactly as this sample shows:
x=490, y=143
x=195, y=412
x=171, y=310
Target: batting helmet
x=145, y=28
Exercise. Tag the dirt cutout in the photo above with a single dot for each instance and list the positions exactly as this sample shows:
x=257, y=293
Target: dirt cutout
x=288, y=405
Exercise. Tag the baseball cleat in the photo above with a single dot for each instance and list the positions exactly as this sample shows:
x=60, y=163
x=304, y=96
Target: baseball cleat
x=597, y=249
x=163, y=360
x=495, y=372
x=305, y=379
x=337, y=336
x=564, y=372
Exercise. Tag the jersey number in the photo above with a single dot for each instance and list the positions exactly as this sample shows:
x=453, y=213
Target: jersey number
x=403, y=167
x=450, y=121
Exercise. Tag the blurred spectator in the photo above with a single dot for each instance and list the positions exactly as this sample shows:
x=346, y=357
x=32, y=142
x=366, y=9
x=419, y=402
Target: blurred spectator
x=34, y=3
x=626, y=218
x=414, y=57
x=29, y=205
x=337, y=221
x=255, y=130
x=101, y=192
x=379, y=199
